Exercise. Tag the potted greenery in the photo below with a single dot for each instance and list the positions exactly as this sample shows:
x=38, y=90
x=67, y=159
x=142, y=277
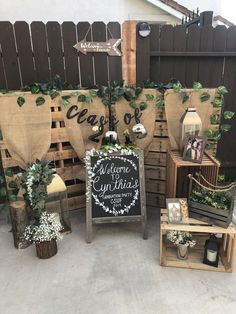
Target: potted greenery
x=183, y=240
x=44, y=233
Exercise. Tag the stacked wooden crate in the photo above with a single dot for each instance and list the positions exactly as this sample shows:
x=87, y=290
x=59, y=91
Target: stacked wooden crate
x=155, y=162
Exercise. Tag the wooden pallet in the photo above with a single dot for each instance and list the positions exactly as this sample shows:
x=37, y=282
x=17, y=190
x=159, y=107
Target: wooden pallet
x=201, y=232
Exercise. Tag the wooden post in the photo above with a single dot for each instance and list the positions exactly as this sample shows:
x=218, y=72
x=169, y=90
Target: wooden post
x=20, y=221
x=129, y=52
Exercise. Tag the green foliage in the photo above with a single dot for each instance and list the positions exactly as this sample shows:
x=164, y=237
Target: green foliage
x=218, y=102
x=88, y=99
x=133, y=104
x=228, y=115
x=9, y=172
x=225, y=127
x=64, y=101
x=160, y=102
x=204, y=96
x=20, y=101
x=221, y=178
x=149, y=97
x=222, y=90
x=197, y=86
x=93, y=93
x=184, y=96
x=82, y=98
x=215, y=119
x=3, y=191
x=35, y=180
x=12, y=185
x=209, y=146
x=177, y=86
x=3, y=91
x=75, y=94
x=40, y=101
x=218, y=200
x=53, y=93
x=212, y=134
x=143, y=105
x=12, y=198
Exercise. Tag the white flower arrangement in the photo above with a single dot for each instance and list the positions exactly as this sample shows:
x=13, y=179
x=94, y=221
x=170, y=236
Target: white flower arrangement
x=181, y=238
x=47, y=229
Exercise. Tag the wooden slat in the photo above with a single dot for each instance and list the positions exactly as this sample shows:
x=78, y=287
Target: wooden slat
x=70, y=53
x=115, y=66
x=38, y=33
x=142, y=58
x=154, y=172
x=155, y=159
x=180, y=38
x=25, y=53
x=159, y=144
x=71, y=172
x=55, y=49
x=86, y=61
x=156, y=200
x=59, y=135
x=100, y=59
x=193, y=43
x=76, y=202
x=166, y=63
x=9, y=55
x=154, y=45
x=155, y=186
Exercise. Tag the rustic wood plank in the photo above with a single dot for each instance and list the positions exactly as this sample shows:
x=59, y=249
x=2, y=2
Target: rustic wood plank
x=142, y=57
x=115, y=66
x=155, y=46
x=25, y=53
x=86, y=61
x=166, y=63
x=9, y=55
x=100, y=58
x=180, y=38
x=71, y=56
x=193, y=44
x=38, y=33
x=53, y=30
x=155, y=159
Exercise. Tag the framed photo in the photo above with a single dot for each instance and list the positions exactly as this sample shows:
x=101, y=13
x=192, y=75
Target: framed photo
x=177, y=210
x=174, y=210
x=194, y=148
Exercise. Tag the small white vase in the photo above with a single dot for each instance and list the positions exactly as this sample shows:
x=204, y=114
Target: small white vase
x=182, y=251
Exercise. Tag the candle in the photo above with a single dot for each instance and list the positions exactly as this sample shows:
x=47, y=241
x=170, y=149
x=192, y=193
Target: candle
x=211, y=255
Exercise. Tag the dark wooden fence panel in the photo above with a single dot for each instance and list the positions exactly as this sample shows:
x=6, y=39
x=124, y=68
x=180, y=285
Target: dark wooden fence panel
x=9, y=56
x=204, y=54
x=55, y=49
x=25, y=53
x=71, y=58
x=100, y=59
x=37, y=52
x=39, y=39
x=115, y=65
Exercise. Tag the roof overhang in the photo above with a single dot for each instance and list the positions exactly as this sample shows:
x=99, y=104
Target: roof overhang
x=166, y=8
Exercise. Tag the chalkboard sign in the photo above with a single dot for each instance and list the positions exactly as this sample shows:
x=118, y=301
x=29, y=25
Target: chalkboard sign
x=115, y=188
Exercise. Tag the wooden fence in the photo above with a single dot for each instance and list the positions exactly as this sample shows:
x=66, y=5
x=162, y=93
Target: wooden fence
x=203, y=54
x=37, y=52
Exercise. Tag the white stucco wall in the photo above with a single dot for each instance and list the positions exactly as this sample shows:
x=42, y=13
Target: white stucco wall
x=82, y=10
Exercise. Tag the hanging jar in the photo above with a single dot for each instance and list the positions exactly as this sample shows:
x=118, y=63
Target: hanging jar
x=190, y=124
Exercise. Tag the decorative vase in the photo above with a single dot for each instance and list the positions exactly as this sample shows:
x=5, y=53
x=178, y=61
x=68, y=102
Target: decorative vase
x=182, y=251
x=46, y=249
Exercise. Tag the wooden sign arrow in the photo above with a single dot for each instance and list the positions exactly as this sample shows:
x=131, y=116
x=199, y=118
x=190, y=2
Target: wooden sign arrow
x=109, y=46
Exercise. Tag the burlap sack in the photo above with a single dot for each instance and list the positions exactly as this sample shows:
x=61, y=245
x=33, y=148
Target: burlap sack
x=27, y=129
x=79, y=133
x=147, y=118
x=174, y=109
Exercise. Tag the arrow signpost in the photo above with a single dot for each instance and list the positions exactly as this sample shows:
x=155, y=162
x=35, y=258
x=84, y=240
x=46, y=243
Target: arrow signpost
x=109, y=46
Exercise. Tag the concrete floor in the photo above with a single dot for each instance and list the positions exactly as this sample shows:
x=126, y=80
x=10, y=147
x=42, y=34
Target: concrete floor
x=117, y=273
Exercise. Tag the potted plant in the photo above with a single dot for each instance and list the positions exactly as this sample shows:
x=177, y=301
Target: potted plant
x=44, y=233
x=183, y=240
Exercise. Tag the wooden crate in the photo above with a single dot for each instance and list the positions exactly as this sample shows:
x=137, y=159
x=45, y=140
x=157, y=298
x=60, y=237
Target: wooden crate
x=178, y=169
x=200, y=231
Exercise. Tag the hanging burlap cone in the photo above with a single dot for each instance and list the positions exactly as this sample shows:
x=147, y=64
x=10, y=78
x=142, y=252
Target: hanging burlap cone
x=26, y=129
x=79, y=133
x=148, y=117
x=174, y=109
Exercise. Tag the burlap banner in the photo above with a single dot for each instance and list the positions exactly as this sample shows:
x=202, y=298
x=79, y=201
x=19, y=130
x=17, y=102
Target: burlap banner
x=27, y=129
x=174, y=109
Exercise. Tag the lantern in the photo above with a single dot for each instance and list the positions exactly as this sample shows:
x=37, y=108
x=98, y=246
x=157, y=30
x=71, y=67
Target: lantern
x=211, y=253
x=190, y=124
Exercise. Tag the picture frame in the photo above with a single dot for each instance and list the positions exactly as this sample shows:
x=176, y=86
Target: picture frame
x=177, y=210
x=194, y=148
x=174, y=210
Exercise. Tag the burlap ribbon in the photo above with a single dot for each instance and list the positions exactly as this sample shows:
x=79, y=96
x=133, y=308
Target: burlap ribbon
x=79, y=133
x=147, y=118
x=174, y=109
x=27, y=129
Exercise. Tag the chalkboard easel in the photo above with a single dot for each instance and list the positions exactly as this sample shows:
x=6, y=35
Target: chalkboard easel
x=115, y=189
